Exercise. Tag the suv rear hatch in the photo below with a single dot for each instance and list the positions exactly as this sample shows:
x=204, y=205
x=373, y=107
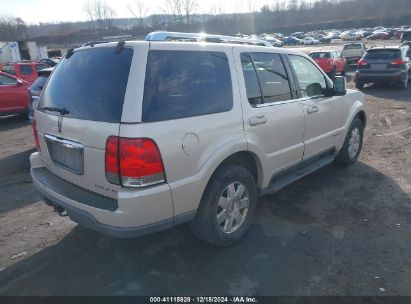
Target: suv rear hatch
x=80, y=107
x=381, y=61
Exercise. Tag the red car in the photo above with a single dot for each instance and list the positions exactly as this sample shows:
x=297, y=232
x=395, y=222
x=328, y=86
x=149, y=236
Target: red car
x=330, y=61
x=13, y=95
x=379, y=36
x=26, y=70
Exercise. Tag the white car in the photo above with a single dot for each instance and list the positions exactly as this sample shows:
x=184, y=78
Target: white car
x=309, y=41
x=136, y=137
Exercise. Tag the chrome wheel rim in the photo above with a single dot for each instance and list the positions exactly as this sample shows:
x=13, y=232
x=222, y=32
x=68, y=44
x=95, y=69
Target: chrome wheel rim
x=354, y=143
x=232, y=207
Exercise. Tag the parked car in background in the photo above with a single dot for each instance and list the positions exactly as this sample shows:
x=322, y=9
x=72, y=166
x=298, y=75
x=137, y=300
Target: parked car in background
x=379, y=36
x=353, y=52
x=274, y=41
x=324, y=39
x=50, y=61
x=13, y=95
x=290, y=40
x=299, y=35
x=330, y=62
x=406, y=36
x=35, y=90
x=309, y=41
x=26, y=70
x=350, y=36
x=383, y=65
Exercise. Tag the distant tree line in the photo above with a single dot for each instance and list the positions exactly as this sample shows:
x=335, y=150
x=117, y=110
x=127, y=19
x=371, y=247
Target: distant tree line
x=285, y=16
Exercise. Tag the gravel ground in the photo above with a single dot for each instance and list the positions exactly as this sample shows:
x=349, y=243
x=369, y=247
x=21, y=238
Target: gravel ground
x=339, y=231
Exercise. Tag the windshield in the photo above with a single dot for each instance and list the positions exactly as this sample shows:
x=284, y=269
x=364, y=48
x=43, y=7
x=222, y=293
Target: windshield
x=352, y=47
x=90, y=84
x=319, y=55
x=383, y=54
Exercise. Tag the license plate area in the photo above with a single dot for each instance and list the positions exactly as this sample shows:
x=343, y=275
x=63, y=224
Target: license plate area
x=66, y=154
x=378, y=66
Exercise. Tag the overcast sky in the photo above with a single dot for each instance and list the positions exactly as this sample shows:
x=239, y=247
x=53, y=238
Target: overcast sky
x=35, y=11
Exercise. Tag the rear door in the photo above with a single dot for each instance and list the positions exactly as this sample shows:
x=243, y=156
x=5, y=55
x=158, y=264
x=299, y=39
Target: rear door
x=80, y=107
x=381, y=61
x=273, y=117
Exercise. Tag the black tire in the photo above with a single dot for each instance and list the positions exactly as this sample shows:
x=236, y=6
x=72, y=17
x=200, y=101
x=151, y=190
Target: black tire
x=404, y=84
x=343, y=156
x=359, y=85
x=205, y=225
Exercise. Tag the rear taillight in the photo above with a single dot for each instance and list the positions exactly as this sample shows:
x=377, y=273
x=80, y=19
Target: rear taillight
x=398, y=62
x=133, y=162
x=36, y=135
x=362, y=62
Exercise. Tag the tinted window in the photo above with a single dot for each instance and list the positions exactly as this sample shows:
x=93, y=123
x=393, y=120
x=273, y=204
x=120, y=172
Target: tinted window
x=39, y=83
x=272, y=76
x=382, y=54
x=185, y=83
x=9, y=69
x=319, y=55
x=90, y=84
x=4, y=80
x=252, y=85
x=311, y=81
x=26, y=70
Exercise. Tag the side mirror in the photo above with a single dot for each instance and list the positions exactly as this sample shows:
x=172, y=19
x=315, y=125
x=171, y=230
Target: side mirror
x=340, y=86
x=314, y=89
x=19, y=82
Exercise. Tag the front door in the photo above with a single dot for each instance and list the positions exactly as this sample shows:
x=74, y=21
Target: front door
x=323, y=115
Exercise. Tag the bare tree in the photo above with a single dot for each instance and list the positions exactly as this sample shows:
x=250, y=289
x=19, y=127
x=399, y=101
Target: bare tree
x=139, y=10
x=174, y=7
x=100, y=13
x=12, y=28
x=189, y=7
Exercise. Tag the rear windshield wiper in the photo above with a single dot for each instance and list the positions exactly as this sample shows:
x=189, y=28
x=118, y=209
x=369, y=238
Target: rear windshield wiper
x=62, y=111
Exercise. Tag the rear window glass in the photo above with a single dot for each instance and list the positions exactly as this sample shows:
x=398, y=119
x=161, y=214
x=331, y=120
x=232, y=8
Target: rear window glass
x=90, y=84
x=26, y=70
x=383, y=54
x=320, y=55
x=186, y=83
x=352, y=46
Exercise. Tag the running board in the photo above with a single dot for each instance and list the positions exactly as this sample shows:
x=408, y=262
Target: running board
x=293, y=174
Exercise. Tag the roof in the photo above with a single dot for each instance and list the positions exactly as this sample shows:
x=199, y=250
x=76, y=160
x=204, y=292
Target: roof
x=203, y=37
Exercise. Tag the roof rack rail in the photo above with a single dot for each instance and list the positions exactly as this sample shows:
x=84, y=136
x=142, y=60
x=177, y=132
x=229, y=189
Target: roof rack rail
x=203, y=37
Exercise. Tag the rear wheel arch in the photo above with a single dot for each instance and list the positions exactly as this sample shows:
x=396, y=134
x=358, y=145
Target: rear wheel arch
x=246, y=159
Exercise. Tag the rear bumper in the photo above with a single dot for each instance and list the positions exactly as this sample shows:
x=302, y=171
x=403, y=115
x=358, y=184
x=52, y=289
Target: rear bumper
x=365, y=77
x=130, y=215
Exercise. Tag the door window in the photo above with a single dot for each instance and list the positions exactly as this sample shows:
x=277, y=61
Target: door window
x=9, y=69
x=6, y=81
x=26, y=70
x=265, y=78
x=186, y=83
x=311, y=81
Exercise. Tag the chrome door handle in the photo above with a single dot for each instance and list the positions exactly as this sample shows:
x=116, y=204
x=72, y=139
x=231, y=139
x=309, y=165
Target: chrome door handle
x=257, y=120
x=312, y=109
